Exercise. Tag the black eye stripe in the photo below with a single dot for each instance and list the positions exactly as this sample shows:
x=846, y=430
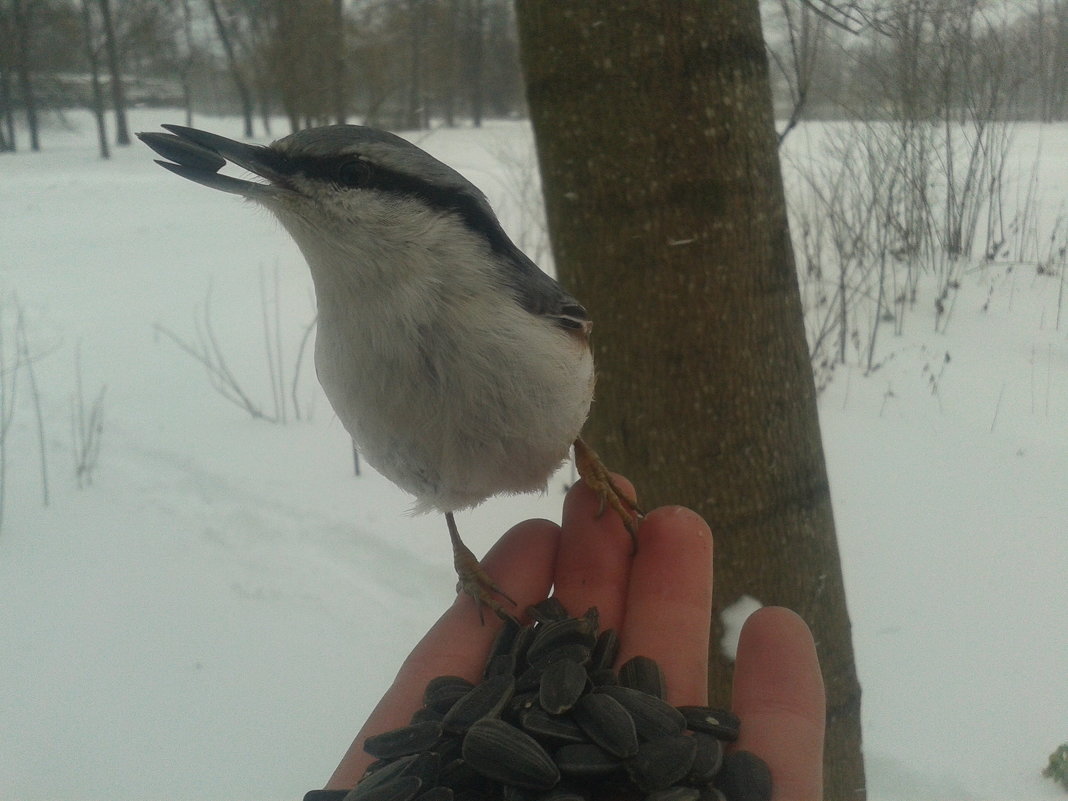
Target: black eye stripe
x=360, y=173
x=355, y=172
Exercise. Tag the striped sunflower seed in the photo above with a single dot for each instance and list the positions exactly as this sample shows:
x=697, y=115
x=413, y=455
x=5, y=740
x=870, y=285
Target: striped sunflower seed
x=406, y=740
x=501, y=752
x=607, y=724
x=484, y=701
x=652, y=717
x=717, y=722
x=643, y=673
x=562, y=683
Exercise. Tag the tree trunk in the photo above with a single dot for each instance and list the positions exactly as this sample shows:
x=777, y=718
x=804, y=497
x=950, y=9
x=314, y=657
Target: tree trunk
x=235, y=70
x=188, y=63
x=475, y=66
x=94, y=76
x=657, y=145
x=7, y=101
x=118, y=96
x=23, y=35
x=340, y=73
x=416, y=26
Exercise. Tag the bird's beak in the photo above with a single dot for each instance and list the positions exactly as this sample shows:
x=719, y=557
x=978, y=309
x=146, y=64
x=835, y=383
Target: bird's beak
x=199, y=155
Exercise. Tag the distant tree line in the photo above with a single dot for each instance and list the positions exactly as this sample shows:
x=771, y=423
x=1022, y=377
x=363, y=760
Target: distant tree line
x=392, y=63
x=408, y=63
x=918, y=59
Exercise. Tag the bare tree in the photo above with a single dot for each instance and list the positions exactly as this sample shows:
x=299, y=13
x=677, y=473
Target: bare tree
x=188, y=61
x=475, y=72
x=23, y=29
x=340, y=71
x=236, y=71
x=118, y=97
x=665, y=203
x=94, y=77
x=416, y=113
x=805, y=32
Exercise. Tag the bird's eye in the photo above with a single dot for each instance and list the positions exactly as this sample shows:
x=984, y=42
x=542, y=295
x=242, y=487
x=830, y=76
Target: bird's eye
x=356, y=172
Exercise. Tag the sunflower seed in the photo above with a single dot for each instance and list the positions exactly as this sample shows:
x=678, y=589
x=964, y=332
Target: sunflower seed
x=425, y=713
x=605, y=650
x=744, y=777
x=674, y=794
x=574, y=651
x=562, y=792
x=442, y=692
x=523, y=638
x=505, y=639
x=512, y=793
x=717, y=722
x=500, y=665
x=707, y=760
x=642, y=673
x=401, y=788
x=382, y=771
x=661, y=762
x=607, y=723
x=585, y=760
x=548, y=610
x=436, y=794
x=652, y=717
x=561, y=685
x=572, y=630
x=530, y=679
x=605, y=677
x=406, y=740
x=503, y=753
x=458, y=776
x=484, y=701
x=425, y=766
x=559, y=728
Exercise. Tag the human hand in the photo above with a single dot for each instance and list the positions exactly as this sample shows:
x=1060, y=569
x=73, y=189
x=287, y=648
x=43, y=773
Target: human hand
x=660, y=601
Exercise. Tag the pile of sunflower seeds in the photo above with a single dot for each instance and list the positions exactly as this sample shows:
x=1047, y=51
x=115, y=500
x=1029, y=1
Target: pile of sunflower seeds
x=551, y=720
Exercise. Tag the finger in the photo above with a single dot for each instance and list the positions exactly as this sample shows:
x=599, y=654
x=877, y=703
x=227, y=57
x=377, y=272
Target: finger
x=778, y=694
x=521, y=562
x=669, y=601
x=593, y=560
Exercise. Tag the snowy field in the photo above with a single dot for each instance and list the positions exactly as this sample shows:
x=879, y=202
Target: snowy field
x=216, y=614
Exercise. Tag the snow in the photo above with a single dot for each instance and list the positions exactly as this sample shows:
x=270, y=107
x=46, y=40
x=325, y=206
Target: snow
x=218, y=612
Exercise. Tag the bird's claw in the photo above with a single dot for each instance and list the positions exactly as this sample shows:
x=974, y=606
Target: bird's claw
x=473, y=580
x=596, y=475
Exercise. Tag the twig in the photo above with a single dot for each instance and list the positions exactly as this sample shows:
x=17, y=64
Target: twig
x=22, y=343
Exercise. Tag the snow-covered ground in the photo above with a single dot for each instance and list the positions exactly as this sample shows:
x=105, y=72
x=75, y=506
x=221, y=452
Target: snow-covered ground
x=217, y=613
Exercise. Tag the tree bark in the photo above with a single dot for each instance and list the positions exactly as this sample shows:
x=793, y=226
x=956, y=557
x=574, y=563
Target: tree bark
x=118, y=96
x=656, y=138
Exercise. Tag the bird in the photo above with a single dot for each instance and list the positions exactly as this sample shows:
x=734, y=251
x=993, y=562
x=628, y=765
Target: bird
x=460, y=369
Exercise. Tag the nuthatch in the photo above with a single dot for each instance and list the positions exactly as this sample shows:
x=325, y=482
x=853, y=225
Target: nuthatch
x=460, y=369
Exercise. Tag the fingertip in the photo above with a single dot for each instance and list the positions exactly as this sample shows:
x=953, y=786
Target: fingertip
x=675, y=525
x=779, y=696
x=669, y=605
x=593, y=561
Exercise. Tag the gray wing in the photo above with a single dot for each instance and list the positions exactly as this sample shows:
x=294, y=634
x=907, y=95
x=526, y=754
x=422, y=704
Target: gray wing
x=539, y=294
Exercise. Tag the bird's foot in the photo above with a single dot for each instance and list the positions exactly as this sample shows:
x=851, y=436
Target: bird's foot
x=596, y=475
x=472, y=579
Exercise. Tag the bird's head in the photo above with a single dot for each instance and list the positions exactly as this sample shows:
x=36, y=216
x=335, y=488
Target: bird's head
x=334, y=182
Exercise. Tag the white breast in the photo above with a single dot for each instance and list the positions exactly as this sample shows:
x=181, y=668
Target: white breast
x=447, y=386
